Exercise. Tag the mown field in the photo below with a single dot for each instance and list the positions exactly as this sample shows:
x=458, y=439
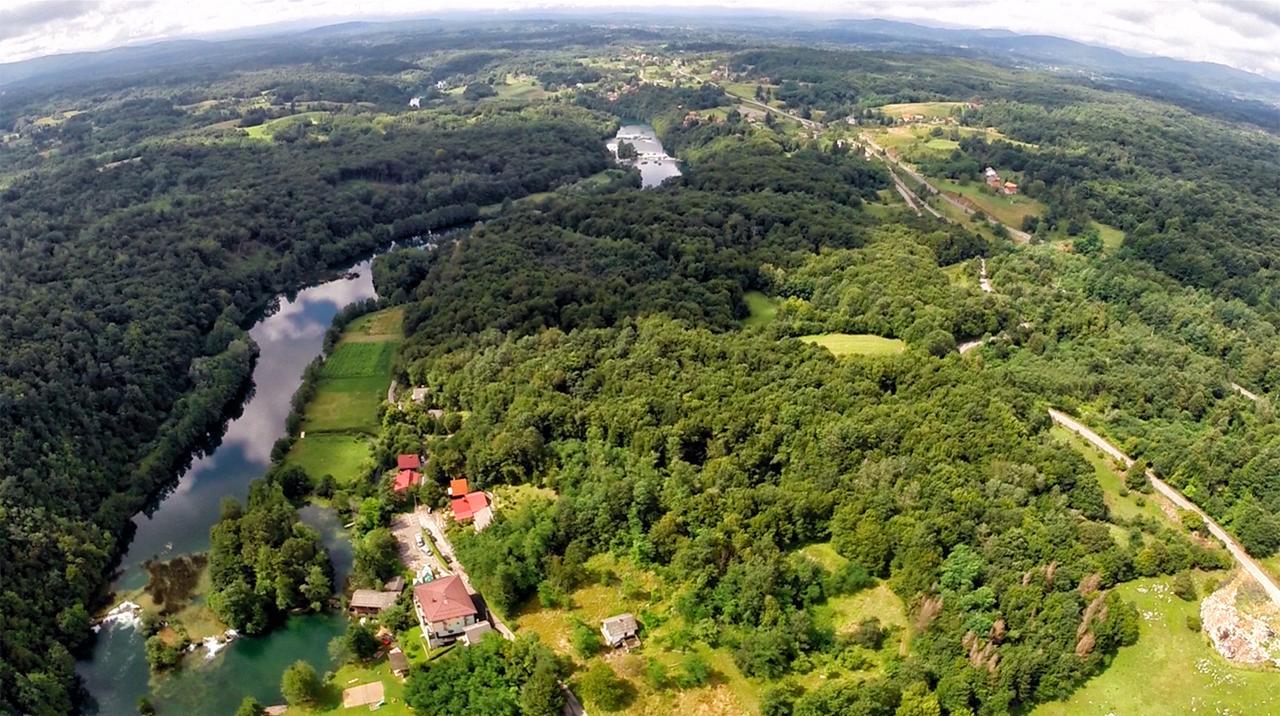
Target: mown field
x=930, y=110
x=843, y=344
x=350, y=389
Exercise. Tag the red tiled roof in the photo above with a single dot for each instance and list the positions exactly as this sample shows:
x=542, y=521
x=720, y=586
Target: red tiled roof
x=408, y=462
x=466, y=507
x=443, y=599
x=406, y=479
x=458, y=487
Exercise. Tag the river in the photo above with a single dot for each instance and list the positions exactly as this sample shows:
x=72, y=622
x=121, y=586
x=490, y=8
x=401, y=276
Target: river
x=655, y=165
x=116, y=675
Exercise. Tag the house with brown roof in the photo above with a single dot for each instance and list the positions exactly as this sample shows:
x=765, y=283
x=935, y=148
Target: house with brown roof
x=1010, y=188
x=620, y=631
x=398, y=662
x=445, y=609
x=371, y=602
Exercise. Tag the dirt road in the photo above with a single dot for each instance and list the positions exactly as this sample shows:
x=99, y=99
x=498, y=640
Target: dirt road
x=1241, y=556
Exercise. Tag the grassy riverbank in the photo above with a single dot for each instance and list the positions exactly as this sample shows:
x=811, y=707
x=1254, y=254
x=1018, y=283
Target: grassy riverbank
x=352, y=385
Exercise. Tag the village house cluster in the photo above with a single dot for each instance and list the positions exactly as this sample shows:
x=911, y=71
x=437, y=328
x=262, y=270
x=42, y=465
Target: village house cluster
x=994, y=181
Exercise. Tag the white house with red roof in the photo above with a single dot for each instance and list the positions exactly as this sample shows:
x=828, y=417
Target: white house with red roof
x=445, y=609
x=469, y=506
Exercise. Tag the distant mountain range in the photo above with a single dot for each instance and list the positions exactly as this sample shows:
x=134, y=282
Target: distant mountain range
x=1043, y=51
x=1047, y=50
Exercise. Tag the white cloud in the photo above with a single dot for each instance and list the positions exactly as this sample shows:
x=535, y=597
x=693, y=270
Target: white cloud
x=1241, y=33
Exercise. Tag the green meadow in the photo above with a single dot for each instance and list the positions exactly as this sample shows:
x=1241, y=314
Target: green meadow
x=843, y=344
x=350, y=389
x=1171, y=670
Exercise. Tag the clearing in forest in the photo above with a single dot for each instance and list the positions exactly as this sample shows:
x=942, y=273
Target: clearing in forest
x=929, y=110
x=1172, y=669
x=762, y=308
x=617, y=586
x=843, y=344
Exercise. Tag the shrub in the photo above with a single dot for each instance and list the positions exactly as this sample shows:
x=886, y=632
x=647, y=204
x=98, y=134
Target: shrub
x=849, y=579
x=1194, y=623
x=300, y=684
x=655, y=674
x=695, y=671
x=585, y=641
x=1183, y=587
x=601, y=687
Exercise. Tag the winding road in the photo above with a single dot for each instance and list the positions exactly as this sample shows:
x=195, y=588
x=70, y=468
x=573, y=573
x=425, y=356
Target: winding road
x=1249, y=564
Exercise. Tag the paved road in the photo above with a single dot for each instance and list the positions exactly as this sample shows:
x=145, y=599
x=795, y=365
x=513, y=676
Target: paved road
x=1241, y=556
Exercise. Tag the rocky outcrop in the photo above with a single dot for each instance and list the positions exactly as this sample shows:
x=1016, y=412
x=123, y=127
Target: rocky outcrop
x=1241, y=638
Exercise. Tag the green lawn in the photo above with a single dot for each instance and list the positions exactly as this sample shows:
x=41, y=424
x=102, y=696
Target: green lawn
x=355, y=675
x=337, y=454
x=929, y=110
x=346, y=404
x=1112, y=237
x=359, y=359
x=942, y=145
x=353, y=384
x=377, y=326
x=267, y=129
x=1171, y=670
x=1010, y=210
x=843, y=344
x=762, y=307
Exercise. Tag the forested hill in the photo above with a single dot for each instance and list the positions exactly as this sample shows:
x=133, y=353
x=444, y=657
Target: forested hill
x=596, y=345
x=124, y=288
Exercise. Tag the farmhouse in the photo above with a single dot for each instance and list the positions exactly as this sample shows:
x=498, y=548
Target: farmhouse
x=992, y=178
x=445, y=609
x=620, y=631
x=1010, y=188
x=371, y=602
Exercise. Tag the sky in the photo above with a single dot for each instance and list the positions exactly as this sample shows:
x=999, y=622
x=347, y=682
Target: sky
x=1241, y=33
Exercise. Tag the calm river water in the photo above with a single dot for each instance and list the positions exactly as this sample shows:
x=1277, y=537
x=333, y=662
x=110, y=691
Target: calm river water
x=117, y=674
x=654, y=164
